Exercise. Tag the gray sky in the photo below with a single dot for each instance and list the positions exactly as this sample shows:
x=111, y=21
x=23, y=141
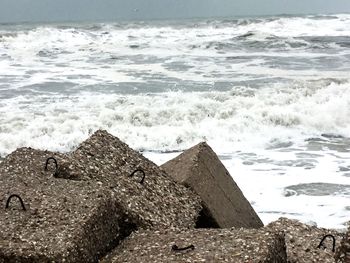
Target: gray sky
x=68, y=10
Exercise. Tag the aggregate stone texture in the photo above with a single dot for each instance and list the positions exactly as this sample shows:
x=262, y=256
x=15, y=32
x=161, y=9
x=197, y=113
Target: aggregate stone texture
x=158, y=201
x=343, y=251
x=203, y=245
x=81, y=209
x=200, y=169
x=302, y=241
x=63, y=220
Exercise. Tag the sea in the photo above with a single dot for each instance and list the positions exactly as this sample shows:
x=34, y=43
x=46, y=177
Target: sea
x=270, y=95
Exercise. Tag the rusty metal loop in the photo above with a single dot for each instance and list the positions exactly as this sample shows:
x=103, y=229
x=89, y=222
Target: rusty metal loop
x=176, y=248
x=323, y=239
x=19, y=198
x=139, y=170
x=55, y=161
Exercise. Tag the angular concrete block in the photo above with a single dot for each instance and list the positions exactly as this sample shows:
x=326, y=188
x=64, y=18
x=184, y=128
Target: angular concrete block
x=85, y=206
x=225, y=206
x=302, y=241
x=61, y=221
x=157, y=201
x=343, y=251
x=201, y=245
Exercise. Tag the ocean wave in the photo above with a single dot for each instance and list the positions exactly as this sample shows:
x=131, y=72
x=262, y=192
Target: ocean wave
x=177, y=120
x=271, y=95
x=180, y=35
x=196, y=51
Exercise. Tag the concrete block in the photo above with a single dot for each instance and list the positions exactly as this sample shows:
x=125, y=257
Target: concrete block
x=61, y=221
x=224, y=204
x=303, y=240
x=201, y=245
x=83, y=207
x=343, y=251
x=157, y=201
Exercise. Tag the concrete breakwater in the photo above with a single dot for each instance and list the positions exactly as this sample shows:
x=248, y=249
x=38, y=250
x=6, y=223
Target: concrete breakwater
x=106, y=202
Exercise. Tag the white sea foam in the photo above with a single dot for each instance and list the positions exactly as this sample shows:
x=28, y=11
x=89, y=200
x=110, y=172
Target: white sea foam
x=270, y=95
x=48, y=48
x=339, y=25
x=260, y=136
x=176, y=120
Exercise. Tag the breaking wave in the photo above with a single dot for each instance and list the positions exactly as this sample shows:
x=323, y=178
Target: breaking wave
x=177, y=120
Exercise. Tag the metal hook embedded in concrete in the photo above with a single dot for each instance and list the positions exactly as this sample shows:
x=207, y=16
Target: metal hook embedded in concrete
x=324, y=238
x=55, y=161
x=139, y=170
x=176, y=248
x=19, y=198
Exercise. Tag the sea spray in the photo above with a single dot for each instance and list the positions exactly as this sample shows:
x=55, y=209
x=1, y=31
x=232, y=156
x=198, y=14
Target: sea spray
x=265, y=92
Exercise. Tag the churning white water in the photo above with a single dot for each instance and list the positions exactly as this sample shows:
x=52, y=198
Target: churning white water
x=271, y=95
